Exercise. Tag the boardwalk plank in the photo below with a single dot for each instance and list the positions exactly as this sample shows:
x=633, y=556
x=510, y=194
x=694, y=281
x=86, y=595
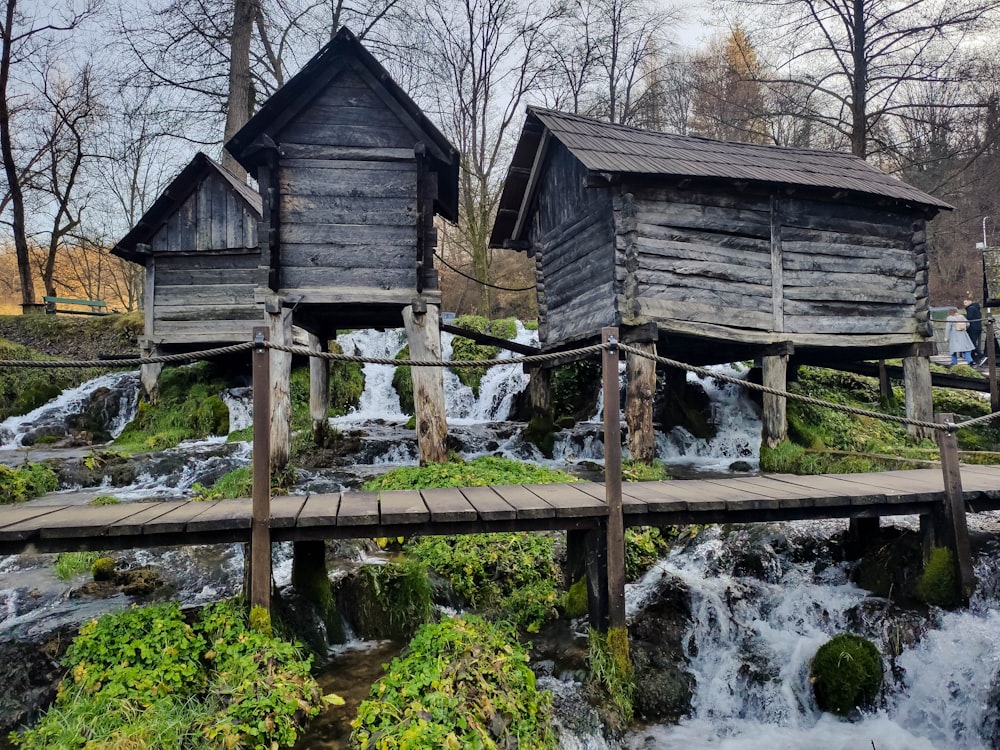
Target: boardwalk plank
x=285, y=510
x=895, y=489
x=323, y=509
x=569, y=501
x=646, y=497
x=526, y=503
x=150, y=511
x=21, y=522
x=448, y=504
x=84, y=520
x=176, y=520
x=690, y=491
x=831, y=492
x=356, y=509
x=488, y=504
x=223, y=515
x=402, y=507
x=784, y=496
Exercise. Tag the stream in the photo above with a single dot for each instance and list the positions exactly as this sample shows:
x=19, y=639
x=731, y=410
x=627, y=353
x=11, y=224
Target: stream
x=750, y=636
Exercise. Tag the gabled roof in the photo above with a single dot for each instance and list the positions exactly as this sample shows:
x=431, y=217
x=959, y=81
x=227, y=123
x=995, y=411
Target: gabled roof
x=618, y=150
x=176, y=194
x=250, y=143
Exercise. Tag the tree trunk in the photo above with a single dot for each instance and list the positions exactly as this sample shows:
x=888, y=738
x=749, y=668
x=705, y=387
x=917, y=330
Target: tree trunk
x=239, y=104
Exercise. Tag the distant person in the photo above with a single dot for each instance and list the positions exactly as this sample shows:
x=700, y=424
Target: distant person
x=974, y=314
x=956, y=331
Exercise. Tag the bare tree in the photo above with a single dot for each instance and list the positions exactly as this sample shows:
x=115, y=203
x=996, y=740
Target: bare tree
x=856, y=56
x=25, y=37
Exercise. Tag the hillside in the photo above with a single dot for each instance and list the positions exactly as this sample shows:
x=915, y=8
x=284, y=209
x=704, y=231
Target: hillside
x=75, y=336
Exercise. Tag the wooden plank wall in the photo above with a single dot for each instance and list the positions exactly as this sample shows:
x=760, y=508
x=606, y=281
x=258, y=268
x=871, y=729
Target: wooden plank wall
x=212, y=218
x=573, y=239
x=204, y=297
x=348, y=187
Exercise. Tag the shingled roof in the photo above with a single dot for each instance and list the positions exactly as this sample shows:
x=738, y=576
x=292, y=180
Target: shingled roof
x=615, y=149
x=175, y=195
x=299, y=91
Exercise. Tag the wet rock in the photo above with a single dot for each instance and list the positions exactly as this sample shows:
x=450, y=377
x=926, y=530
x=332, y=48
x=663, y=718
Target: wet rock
x=891, y=566
x=30, y=673
x=663, y=689
x=740, y=466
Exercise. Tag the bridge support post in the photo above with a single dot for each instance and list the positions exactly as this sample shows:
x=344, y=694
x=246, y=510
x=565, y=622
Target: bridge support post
x=991, y=360
x=952, y=528
x=919, y=401
x=885, y=392
x=260, y=524
x=279, y=324
x=319, y=389
x=587, y=555
x=149, y=375
x=640, y=377
x=423, y=331
x=613, y=483
x=775, y=375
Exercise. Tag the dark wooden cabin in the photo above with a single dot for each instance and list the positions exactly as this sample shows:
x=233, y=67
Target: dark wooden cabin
x=727, y=248
x=351, y=174
x=198, y=243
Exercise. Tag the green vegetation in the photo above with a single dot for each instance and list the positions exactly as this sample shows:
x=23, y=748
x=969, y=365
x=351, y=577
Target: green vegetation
x=644, y=545
x=846, y=674
x=637, y=471
x=575, y=388
x=103, y=568
x=937, y=583
x=189, y=407
x=239, y=483
x=105, y=500
x=611, y=672
x=485, y=471
x=466, y=349
x=462, y=683
x=71, y=564
x=23, y=389
x=402, y=381
x=393, y=600
x=347, y=382
x=25, y=482
x=575, y=603
x=146, y=678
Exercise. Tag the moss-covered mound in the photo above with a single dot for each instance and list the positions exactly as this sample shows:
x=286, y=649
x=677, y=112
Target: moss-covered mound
x=388, y=601
x=846, y=674
x=936, y=584
x=462, y=683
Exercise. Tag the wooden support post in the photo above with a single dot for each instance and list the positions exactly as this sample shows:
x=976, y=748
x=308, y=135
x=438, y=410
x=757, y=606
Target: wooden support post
x=956, y=530
x=279, y=325
x=596, y=541
x=319, y=390
x=885, y=392
x=423, y=332
x=774, y=372
x=613, y=483
x=149, y=375
x=862, y=535
x=540, y=393
x=991, y=359
x=919, y=401
x=640, y=376
x=260, y=525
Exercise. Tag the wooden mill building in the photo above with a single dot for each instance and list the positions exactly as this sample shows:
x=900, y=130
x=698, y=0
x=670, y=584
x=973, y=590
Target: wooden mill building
x=198, y=244
x=713, y=252
x=351, y=175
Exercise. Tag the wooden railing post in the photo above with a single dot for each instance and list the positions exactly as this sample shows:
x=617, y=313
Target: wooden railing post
x=991, y=359
x=260, y=528
x=613, y=482
x=955, y=531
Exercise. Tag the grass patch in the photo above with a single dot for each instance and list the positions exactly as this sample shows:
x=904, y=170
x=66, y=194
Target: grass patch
x=485, y=471
x=69, y=565
x=26, y=482
x=611, y=672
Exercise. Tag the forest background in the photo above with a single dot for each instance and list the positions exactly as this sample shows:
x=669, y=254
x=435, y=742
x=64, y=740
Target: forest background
x=102, y=102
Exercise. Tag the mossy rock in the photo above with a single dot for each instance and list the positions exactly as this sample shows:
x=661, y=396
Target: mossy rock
x=846, y=674
x=937, y=584
x=402, y=381
x=103, y=568
x=576, y=602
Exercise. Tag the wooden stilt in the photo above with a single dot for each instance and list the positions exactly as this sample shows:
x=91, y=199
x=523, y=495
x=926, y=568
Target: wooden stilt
x=613, y=484
x=956, y=530
x=319, y=389
x=885, y=392
x=149, y=375
x=596, y=541
x=775, y=426
x=279, y=325
x=991, y=359
x=640, y=376
x=862, y=535
x=540, y=393
x=919, y=402
x=260, y=528
x=423, y=332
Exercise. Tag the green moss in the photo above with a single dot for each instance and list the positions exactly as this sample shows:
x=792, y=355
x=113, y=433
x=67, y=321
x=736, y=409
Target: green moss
x=103, y=568
x=485, y=471
x=461, y=683
x=347, y=383
x=541, y=432
x=637, y=471
x=576, y=603
x=575, y=389
x=937, y=584
x=531, y=325
x=611, y=672
x=105, y=500
x=71, y=564
x=846, y=674
x=393, y=600
x=24, y=389
x=402, y=382
x=259, y=621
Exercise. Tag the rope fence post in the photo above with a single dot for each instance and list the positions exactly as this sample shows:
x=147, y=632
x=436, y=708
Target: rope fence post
x=955, y=531
x=260, y=528
x=613, y=481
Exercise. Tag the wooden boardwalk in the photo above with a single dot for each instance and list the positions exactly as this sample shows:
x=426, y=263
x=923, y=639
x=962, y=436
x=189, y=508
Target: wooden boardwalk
x=772, y=497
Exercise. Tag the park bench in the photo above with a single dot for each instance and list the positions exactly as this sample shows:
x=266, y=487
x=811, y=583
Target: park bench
x=96, y=306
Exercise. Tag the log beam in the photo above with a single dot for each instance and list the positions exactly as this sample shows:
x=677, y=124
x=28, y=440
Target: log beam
x=640, y=375
x=775, y=375
x=424, y=335
x=919, y=401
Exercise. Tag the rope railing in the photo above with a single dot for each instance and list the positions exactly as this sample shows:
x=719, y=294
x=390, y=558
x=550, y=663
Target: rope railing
x=561, y=357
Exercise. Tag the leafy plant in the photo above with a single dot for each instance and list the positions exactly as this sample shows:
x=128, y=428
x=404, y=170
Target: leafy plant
x=611, y=669
x=461, y=683
x=393, y=601
x=644, y=545
x=26, y=482
x=480, y=472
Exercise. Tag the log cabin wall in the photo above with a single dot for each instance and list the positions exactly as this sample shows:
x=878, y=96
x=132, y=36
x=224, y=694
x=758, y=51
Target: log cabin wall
x=572, y=230
x=347, y=178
